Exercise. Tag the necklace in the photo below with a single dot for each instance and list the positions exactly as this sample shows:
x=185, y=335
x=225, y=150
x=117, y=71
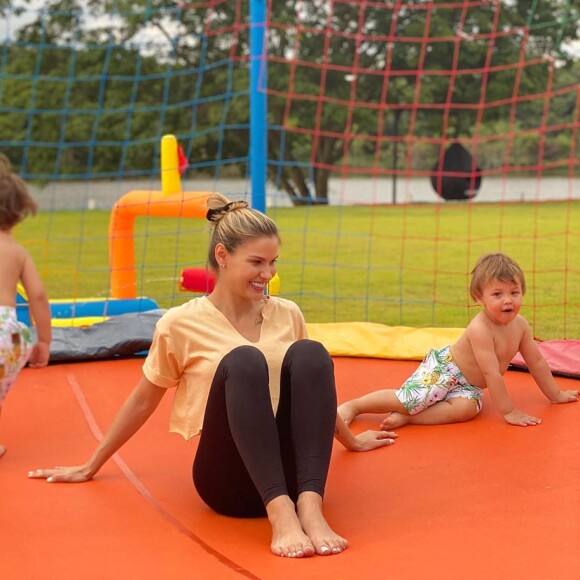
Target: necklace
x=260, y=318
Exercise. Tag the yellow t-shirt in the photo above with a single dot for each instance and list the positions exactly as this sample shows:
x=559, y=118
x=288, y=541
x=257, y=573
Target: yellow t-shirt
x=190, y=341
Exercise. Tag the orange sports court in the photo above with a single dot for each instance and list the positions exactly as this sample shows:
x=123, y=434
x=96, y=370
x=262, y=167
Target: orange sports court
x=475, y=500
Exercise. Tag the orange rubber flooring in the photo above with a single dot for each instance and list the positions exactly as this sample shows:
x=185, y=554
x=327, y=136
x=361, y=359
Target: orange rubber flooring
x=478, y=500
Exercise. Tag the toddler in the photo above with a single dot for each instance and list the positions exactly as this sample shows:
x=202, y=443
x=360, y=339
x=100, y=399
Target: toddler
x=448, y=385
x=16, y=344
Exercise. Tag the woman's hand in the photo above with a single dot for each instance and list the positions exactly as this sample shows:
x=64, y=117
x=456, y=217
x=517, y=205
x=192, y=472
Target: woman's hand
x=369, y=440
x=365, y=441
x=76, y=474
x=135, y=411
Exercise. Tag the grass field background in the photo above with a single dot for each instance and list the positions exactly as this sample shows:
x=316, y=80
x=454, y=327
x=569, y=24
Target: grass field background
x=397, y=265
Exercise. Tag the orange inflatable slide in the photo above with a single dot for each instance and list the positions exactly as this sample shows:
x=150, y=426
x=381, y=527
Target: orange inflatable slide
x=170, y=201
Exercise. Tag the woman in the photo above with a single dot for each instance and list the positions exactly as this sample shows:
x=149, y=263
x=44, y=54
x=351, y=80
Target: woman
x=265, y=394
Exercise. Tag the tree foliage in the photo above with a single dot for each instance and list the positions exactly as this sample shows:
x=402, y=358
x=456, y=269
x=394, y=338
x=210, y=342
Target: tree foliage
x=89, y=87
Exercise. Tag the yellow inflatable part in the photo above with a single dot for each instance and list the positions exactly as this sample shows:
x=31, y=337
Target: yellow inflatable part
x=274, y=285
x=78, y=321
x=170, y=178
x=355, y=339
x=20, y=290
x=372, y=340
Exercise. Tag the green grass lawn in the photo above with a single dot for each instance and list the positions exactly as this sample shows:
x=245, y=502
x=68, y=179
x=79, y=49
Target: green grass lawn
x=397, y=265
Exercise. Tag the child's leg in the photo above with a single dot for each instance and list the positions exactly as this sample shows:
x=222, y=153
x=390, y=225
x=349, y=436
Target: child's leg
x=454, y=410
x=383, y=401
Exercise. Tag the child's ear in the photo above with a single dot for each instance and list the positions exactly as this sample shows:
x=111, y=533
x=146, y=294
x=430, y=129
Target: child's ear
x=478, y=299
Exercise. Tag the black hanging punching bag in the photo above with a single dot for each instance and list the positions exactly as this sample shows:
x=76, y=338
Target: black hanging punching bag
x=459, y=178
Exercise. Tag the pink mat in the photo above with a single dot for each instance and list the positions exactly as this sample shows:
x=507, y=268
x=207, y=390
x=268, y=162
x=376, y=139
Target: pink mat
x=563, y=357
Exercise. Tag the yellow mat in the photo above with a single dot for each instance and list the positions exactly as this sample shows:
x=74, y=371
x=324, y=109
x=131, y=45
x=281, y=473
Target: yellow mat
x=373, y=340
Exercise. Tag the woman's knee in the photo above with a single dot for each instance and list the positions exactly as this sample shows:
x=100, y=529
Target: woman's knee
x=244, y=353
x=245, y=360
x=311, y=353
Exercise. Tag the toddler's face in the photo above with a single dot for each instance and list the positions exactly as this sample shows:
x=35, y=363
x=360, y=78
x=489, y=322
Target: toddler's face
x=502, y=300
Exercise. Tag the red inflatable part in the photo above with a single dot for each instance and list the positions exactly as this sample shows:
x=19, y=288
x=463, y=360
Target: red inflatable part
x=197, y=280
x=562, y=356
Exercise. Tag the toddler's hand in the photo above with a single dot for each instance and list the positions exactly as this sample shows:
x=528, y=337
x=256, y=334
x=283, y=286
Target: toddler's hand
x=567, y=396
x=521, y=419
x=40, y=355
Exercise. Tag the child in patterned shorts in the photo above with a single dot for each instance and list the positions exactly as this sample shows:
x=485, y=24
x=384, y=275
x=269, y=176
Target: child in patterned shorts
x=16, y=344
x=448, y=385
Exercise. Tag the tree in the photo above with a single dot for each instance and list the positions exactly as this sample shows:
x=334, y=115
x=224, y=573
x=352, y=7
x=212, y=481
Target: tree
x=393, y=57
x=90, y=86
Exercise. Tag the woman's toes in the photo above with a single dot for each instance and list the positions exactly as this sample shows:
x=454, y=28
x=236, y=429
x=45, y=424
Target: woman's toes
x=327, y=550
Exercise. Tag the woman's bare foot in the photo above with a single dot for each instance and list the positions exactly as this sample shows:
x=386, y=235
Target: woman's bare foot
x=347, y=412
x=288, y=537
x=2, y=450
x=394, y=420
x=326, y=542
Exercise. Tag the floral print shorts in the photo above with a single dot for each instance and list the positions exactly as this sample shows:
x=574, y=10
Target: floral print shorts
x=15, y=347
x=437, y=379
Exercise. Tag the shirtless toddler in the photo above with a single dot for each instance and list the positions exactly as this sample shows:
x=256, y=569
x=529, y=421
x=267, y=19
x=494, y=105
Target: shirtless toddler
x=448, y=385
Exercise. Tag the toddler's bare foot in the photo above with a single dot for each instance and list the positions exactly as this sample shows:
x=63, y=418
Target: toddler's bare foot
x=2, y=450
x=288, y=537
x=347, y=412
x=326, y=542
x=394, y=420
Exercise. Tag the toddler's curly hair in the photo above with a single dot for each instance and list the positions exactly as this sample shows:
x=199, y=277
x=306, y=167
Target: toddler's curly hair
x=495, y=267
x=15, y=200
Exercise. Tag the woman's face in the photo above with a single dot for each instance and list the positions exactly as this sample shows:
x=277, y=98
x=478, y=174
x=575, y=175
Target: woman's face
x=248, y=269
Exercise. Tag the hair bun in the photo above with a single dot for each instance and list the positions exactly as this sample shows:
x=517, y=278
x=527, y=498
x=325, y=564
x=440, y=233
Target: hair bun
x=214, y=215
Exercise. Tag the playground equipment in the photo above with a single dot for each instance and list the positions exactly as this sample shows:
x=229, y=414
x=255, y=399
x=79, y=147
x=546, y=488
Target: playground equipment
x=202, y=280
x=196, y=280
x=83, y=311
x=169, y=202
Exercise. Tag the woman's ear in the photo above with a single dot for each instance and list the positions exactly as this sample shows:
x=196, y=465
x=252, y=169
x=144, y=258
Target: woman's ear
x=221, y=254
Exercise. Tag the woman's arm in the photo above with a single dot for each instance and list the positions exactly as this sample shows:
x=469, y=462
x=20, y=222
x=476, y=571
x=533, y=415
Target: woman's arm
x=365, y=441
x=138, y=407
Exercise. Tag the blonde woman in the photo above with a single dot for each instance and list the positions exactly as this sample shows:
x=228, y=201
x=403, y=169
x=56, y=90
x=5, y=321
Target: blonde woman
x=248, y=379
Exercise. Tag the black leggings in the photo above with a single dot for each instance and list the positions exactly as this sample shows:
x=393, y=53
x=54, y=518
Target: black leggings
x=246, y=455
